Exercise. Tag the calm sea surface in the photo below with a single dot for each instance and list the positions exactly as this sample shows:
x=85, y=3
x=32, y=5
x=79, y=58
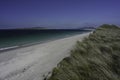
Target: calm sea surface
x=15, y=38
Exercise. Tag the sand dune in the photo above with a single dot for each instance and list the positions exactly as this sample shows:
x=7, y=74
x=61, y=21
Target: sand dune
x=34, y=62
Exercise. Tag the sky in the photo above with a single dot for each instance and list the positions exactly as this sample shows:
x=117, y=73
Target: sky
x=58, y=13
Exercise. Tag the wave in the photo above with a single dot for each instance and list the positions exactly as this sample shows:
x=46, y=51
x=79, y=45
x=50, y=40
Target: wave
x=7, y=48
x=18, y=46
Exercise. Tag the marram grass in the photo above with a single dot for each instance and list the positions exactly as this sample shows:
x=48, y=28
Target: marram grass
x=95, y=58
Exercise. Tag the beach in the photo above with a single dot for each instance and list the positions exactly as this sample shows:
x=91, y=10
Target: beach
x=36, y=61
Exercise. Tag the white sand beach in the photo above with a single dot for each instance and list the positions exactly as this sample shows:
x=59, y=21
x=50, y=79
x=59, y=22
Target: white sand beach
x=36, y=61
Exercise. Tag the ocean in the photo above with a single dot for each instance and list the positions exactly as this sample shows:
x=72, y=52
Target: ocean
x=10, y=39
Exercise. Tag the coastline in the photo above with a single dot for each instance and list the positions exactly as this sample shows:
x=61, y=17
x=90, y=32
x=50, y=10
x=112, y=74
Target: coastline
x=36, y=43
x=33, y=62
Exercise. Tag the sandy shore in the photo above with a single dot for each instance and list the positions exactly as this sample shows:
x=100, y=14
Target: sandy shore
x=33, y=62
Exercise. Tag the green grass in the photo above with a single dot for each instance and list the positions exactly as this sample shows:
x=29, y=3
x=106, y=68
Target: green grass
x=95, y=58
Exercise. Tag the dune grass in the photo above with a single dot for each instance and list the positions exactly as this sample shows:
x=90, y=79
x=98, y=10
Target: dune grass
x=95, y=58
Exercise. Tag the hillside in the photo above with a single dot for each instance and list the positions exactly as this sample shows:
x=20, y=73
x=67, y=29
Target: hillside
x=95, y=58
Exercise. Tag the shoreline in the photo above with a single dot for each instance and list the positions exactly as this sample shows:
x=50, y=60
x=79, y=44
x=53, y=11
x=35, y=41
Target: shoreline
x=33, y=62
x=5, y=49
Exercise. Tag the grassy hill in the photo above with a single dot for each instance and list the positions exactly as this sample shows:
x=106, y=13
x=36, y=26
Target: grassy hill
x=95, y=58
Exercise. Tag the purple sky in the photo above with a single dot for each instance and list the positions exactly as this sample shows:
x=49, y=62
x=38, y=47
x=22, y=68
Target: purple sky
x=58, y=13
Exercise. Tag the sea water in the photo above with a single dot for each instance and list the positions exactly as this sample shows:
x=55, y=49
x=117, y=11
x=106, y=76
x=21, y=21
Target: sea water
x=10, y=39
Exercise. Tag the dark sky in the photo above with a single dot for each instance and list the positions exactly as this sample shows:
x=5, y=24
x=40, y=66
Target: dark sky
x=58, y=13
